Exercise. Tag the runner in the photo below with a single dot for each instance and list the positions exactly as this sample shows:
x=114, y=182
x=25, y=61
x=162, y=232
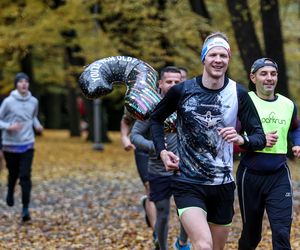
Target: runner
x=159, y=178
x=184, y=73
x=141, y=159
x=18, y=118
x=263, y=177
x=207, y=110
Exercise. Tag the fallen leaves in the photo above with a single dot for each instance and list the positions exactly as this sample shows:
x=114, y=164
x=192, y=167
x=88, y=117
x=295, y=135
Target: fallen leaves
x=86, y=199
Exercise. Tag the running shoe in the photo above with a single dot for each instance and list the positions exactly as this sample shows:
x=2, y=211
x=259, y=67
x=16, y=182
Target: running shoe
x=10, y=198
x=143, y=202
x=25, y=214
x=177, y=246
x=155, y=241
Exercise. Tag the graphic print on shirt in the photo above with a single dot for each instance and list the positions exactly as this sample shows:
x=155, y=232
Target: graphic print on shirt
x=206, y=157
x=208, y=119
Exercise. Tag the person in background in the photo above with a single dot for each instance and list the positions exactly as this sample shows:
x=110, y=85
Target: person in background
x=83, y=124
x=184, y=73
x=208, y=107
x=1, y=152
x=18, y=118
x=263, y=177
x=141, y=159
x=159, y=178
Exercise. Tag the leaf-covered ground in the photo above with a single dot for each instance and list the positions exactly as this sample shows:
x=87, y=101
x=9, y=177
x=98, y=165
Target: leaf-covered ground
x=86, y=199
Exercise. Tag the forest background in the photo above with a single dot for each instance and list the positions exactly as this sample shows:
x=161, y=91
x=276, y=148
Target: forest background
x=52, y=41
x=83, y=199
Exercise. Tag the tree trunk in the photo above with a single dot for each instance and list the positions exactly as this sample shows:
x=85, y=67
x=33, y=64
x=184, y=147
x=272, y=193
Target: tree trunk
x=89, y=117
x=74, y=119
x=273, y=41
x=71, y=60
x=52, y=110
x=245, y=35
x=199, y=7
x=104, y=122
x=26, y=67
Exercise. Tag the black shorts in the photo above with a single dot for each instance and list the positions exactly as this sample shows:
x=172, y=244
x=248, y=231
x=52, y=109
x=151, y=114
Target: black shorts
x=216, y=200
x=160, y=188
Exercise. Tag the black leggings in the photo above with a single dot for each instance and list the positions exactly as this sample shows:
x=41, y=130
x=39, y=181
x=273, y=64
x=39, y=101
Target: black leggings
x=162, y=224
x=19, y=167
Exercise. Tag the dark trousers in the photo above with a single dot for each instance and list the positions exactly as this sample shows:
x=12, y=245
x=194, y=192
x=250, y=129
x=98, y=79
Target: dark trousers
x=258, y=193
x=19, y=167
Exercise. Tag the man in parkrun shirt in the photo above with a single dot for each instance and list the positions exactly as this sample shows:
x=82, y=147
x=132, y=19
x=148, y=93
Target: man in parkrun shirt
x=208, y=107
x=263, y=177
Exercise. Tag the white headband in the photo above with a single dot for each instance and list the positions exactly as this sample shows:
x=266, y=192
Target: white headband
x=214, y=42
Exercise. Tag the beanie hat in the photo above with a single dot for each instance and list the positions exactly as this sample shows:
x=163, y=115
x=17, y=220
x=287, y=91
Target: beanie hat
x=259, y=63
x=19, y=76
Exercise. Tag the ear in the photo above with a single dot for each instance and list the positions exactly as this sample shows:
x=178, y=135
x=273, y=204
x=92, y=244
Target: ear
x=159, y=83
x=252, y=78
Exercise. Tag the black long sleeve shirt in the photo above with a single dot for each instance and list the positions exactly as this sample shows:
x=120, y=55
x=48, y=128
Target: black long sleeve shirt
x=205, y=157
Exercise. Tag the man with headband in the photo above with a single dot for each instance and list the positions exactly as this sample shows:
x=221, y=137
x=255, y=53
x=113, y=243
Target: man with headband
x=208, y=107
x=263, y=177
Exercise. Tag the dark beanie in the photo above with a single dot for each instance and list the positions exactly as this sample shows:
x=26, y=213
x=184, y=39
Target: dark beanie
x=19, y=77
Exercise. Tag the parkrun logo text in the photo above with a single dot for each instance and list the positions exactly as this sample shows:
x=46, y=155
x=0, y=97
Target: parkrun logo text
x=272, y=119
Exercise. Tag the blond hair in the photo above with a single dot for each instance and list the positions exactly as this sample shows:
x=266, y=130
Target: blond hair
x=217, y=34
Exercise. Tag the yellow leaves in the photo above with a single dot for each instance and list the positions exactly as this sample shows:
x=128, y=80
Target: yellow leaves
x=86, y=199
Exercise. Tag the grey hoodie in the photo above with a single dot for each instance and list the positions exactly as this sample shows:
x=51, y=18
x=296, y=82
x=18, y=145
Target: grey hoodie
x=21, y=109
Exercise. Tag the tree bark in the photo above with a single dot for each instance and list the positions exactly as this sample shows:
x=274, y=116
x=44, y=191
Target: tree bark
x=74, y=118
x=274, y=42
x=52, y=110
x=27, y=67
x=71, y=60
x=199, y=7
x=245, y=35
x=89, y=115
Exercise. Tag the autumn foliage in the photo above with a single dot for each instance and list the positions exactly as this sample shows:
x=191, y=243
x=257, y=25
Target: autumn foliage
x=86, y=199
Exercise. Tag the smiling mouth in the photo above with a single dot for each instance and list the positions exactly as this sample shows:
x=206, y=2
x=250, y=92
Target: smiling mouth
x=217, y=68
x=269, y=86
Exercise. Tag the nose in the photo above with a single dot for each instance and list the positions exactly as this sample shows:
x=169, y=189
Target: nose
x=269, y=76
x=218, y=58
